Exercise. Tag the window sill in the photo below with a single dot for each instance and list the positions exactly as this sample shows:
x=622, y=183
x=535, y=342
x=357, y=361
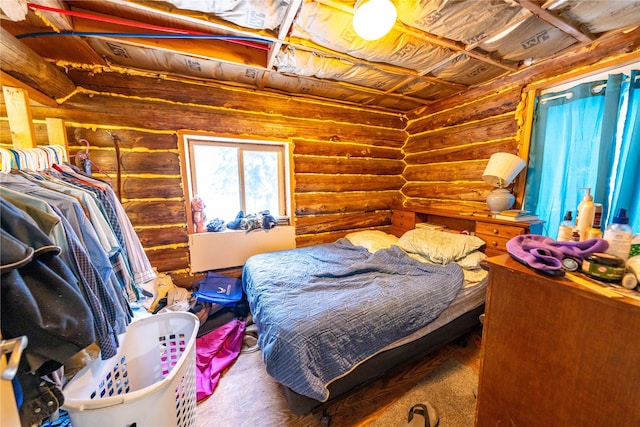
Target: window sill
x=231, y=248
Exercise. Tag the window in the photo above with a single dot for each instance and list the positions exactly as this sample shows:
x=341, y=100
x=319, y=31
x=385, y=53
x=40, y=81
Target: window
x=586, y=136
x=233, y=175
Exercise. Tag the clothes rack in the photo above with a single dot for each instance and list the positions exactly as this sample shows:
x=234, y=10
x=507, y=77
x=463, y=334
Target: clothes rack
x=63, y=229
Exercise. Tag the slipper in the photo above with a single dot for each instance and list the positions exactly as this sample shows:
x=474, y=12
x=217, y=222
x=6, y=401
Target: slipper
x=427, y=411
x=250, y=340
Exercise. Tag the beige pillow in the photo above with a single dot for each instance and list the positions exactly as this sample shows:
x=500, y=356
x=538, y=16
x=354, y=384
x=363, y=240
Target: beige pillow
x=373, y=240
x=439, y=247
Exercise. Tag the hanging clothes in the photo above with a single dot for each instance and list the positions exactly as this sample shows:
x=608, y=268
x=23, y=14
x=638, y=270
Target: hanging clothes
x=101, y=304
x=138, y=260
x=71, y=265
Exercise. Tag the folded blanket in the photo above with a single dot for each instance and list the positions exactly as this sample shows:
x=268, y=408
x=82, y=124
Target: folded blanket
x=545, y=254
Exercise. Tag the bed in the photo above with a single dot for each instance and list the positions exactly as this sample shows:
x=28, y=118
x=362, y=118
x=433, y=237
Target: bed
x=333, y=316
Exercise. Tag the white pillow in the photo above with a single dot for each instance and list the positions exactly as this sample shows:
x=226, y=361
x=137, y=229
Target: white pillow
x=373, y=240
x=472, y=261
x=439, y=247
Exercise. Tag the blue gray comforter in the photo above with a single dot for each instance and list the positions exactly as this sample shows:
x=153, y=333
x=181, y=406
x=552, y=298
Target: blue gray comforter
x=324, y=309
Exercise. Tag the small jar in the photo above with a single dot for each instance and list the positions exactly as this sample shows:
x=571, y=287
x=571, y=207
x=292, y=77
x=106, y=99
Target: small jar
x=594, y=233
x=601, y=266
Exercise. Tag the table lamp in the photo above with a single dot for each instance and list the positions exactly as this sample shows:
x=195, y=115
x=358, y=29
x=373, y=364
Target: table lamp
x=501, y=170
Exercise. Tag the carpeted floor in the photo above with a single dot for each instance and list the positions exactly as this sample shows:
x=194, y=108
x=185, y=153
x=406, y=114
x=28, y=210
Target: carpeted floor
x=450, y=389
x=247, y=396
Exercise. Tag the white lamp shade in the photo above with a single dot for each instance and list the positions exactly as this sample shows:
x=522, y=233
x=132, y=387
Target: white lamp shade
x=502, y=169
x=373, y=19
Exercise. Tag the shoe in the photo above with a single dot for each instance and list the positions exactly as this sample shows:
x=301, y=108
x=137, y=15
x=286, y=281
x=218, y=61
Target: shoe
x=427, y=411
x=250, y=340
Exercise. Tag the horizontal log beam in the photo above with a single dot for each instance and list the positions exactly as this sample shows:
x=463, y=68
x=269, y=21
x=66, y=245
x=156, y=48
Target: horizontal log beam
x=306, y=183
x=346, y=149
x=126, y=138
x=330, y=203
x=22, y=63
x=489, y=105
x=457, y=153
x=155, y=212
x=340, y=222
x=337, y=165
x=467, y=191
x=150, y=237
x=443, y=172
x=216, y=95
x=169, y=259
x=504, y=126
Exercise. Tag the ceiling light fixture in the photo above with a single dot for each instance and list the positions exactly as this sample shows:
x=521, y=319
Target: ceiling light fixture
x=373, y=19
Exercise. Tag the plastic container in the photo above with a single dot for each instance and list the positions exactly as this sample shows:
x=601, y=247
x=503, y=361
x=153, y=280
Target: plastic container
x=603, y=266
x=619, y=235
x=586, y=214
x=597, y=215
x=151, y=382
x=565, y=230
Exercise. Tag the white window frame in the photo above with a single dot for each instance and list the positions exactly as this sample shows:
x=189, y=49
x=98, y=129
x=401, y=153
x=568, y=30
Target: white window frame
x=283, y=148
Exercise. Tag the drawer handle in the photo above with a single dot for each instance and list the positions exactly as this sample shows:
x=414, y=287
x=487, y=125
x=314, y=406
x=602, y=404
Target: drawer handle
x=494, y=244
x=495, y=231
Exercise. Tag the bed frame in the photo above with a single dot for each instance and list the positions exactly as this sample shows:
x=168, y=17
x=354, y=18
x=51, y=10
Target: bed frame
x=384, y=361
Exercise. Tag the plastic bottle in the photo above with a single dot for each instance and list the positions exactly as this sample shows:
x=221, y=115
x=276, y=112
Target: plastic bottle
x=566, y=228
x=619, y=235
x=597, y=216
x=586, y=213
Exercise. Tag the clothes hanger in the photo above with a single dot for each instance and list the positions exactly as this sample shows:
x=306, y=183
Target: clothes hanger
x=6, y=160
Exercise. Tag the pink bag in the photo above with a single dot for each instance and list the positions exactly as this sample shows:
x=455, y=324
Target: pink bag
x=216, y=351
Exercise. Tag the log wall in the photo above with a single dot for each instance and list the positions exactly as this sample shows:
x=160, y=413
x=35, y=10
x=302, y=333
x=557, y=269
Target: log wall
x=347, y=162
x=450, y=141
x=350, y=165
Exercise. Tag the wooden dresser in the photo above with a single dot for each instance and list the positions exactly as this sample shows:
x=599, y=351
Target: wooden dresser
x=556, y=353
x=493, y=231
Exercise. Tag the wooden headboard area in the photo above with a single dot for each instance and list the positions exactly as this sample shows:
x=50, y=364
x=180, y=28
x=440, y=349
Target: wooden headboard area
x=496, y=233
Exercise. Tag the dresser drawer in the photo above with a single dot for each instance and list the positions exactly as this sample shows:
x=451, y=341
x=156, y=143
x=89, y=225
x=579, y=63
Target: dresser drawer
x=495, y=244
x=408, y=223
x=498, y=230
x=496, y=236
x=403, y=219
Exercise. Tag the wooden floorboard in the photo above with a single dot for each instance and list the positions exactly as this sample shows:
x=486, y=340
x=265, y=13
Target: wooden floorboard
x=247, y=396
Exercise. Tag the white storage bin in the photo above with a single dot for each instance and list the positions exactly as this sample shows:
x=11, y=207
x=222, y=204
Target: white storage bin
x=151, y=382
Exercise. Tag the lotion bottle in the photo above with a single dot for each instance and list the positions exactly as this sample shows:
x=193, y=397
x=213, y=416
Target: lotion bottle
x=586, y=213
x=619, y=235
x=565, y=230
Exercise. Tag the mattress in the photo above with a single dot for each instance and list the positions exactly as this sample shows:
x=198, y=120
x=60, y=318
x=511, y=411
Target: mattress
x=461, y=317
x=427, y=304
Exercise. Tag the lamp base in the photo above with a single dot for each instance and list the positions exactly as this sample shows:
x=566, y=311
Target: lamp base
x=500, y=200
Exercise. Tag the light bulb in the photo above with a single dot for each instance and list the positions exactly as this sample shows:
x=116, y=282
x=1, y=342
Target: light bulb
x=372, y=19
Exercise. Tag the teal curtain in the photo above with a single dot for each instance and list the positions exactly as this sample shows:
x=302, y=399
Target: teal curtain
x=626, y=189
x=577, y=143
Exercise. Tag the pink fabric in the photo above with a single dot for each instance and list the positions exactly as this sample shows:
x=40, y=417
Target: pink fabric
x=215, y=351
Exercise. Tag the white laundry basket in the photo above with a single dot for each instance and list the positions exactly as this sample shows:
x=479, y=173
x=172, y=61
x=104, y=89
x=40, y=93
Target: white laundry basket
x=149, y=383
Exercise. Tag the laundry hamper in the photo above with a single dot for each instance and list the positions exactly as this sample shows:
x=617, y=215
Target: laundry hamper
x=151, y=382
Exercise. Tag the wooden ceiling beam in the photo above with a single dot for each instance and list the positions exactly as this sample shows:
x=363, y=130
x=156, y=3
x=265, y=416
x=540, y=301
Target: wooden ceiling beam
x=34, y=95
x=220, y=50
x=556, y=21
x=24, y=64
x=285, y=29
x=58, y=21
